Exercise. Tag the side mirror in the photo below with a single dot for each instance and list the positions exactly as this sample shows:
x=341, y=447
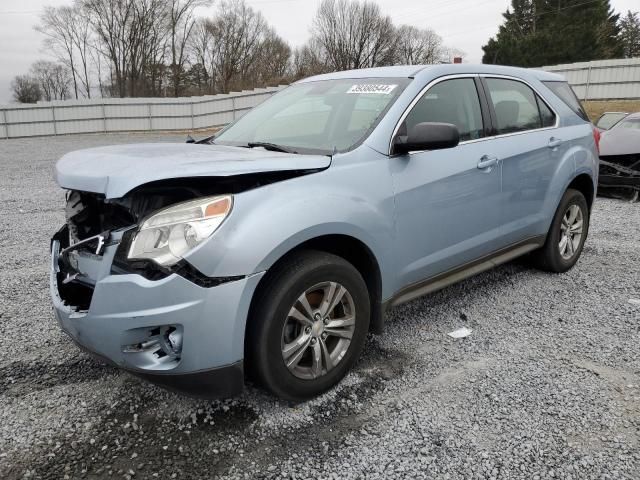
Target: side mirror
x=427, y=136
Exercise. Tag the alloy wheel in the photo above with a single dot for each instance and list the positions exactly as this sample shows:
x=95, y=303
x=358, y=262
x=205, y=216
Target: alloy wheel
x=571, y=232
x=318, y=330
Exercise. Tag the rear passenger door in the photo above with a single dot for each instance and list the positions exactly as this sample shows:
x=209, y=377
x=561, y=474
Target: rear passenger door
x=528, y=142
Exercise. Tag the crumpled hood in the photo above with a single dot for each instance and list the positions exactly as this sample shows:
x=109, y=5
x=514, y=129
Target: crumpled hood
x=116, y=170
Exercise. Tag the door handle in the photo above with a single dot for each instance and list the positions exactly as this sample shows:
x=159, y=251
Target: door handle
x=487, y=162
x=554, y=142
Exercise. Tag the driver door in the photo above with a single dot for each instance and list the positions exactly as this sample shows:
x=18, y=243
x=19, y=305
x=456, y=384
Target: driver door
x=447, y=201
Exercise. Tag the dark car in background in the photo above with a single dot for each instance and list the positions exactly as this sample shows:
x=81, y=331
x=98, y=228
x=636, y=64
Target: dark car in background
x=620, y=159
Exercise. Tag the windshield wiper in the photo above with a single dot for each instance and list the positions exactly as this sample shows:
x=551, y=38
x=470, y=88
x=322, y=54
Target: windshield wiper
x=271, y=146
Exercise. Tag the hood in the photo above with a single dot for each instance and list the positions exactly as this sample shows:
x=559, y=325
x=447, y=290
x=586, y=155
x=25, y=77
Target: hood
x=620, y=141
x=116, y=170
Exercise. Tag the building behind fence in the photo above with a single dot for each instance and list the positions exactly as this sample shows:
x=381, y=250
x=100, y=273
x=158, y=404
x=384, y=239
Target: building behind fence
x=598, y=80
x=603, y=79
x=127, y=114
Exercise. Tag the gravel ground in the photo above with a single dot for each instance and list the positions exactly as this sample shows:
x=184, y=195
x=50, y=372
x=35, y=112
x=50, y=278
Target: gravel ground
x=547, y=385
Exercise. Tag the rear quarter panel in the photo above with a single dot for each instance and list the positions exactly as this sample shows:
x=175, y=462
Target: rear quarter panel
x=580, y=158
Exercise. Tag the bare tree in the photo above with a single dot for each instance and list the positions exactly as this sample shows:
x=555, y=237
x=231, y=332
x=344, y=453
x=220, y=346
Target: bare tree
x=202, y=51
x=147, y=41
x=111, y=20
x=236, y=33
x=181, y=25
x=82, y=39
x=53, y=79
x=354, y=34
x=57, y=24
x=417, y=46
x=161, y=47
x=132, y=35
x=25, y=89
x=271, y=64
x=309, y=60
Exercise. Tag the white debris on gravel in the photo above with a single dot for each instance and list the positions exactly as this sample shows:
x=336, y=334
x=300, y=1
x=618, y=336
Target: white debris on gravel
x=463, y=332
x=548, y=390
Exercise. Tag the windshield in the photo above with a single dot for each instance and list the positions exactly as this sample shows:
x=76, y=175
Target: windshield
x=317, y=117
x=608, y=120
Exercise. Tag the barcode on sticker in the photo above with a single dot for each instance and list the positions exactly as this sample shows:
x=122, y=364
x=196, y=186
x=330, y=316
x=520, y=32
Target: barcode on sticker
x=372, y=88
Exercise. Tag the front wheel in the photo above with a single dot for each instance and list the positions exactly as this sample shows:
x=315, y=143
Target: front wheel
x=567, y=234
x=308, y=325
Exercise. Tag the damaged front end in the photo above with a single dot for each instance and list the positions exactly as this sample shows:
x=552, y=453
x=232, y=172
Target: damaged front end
x=619, y=176
x=98, y=227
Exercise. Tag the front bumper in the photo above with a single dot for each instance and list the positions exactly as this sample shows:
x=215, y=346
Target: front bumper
x=127, y=310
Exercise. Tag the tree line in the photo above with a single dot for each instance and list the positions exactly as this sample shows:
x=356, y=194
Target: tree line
x=550, y=32
x=127, y=48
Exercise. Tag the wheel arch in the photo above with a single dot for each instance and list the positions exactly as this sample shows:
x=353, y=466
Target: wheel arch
x=584, y=184
x=354, y=251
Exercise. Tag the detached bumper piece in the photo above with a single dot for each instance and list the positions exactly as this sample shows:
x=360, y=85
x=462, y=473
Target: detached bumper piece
x=620, y=176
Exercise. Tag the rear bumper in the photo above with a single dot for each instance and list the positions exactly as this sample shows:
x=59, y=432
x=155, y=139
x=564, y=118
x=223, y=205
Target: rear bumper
x=127, y=310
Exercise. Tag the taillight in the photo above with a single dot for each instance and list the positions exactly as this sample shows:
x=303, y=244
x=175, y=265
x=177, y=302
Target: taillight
x=596, y=137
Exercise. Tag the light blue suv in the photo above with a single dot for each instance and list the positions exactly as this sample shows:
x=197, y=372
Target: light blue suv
x=275, y=247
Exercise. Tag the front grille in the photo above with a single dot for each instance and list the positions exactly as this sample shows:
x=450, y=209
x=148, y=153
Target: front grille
x=89, y=215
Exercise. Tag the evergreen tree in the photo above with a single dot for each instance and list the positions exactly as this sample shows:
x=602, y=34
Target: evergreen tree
x=630, y=34
x=547, y=32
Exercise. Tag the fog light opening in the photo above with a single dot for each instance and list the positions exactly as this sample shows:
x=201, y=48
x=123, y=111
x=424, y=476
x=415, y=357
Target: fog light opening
x=174, y=340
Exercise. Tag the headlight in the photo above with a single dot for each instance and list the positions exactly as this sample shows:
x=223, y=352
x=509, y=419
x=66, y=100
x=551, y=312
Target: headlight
x=168, y=235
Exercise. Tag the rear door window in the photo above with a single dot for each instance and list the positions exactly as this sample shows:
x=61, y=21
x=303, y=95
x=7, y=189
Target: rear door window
x=517, y=107
x=453, y=101
x=568, y=96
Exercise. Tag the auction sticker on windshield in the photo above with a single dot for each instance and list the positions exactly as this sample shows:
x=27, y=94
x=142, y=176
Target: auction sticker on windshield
x=372, y=88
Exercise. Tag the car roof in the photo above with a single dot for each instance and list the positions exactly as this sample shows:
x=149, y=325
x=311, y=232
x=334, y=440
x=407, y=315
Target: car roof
x=418, y=71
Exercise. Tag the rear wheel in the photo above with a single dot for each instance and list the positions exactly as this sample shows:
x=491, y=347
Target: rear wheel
x=567, y=234
x=308, y=325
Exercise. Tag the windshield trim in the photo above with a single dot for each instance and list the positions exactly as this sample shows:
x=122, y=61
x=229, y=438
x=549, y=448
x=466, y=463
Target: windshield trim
x=403, y=83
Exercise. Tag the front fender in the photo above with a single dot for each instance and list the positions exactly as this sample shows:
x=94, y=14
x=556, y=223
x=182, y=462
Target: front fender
x=353, y=197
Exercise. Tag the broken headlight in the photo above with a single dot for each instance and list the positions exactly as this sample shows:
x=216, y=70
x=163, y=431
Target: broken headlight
x=166, y=236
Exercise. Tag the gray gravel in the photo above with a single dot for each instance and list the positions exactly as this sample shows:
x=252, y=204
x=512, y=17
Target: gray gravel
x=547, y=385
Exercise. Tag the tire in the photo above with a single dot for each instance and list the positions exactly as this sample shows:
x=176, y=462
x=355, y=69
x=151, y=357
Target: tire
x=559, y=257
x=273, y=334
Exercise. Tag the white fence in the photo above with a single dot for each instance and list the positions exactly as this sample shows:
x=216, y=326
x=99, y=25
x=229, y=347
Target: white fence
x=603, y=79
x=599, y=80
x=127, y=114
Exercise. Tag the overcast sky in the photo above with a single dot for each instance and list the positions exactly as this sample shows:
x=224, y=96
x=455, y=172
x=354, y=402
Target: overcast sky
x=465, y=24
